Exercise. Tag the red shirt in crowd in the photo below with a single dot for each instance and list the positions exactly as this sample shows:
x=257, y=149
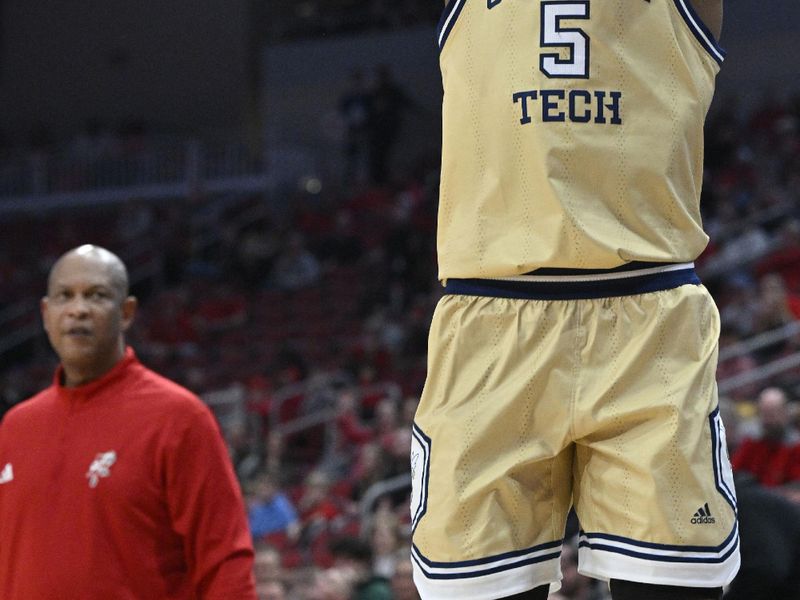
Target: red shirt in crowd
x=772, y=463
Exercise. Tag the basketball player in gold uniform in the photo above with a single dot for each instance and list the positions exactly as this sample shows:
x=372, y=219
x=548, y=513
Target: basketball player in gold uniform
x=572, y=357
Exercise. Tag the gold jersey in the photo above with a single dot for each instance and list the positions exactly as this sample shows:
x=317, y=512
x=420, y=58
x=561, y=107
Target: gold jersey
x=572, y=134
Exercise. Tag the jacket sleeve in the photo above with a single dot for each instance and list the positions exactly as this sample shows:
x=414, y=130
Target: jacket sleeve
x=207, y=510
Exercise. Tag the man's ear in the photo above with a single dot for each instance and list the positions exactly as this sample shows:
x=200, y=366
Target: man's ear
x=43, y=311
x=129, y=306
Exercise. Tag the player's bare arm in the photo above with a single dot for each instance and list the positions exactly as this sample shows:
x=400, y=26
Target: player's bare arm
x=710, y=11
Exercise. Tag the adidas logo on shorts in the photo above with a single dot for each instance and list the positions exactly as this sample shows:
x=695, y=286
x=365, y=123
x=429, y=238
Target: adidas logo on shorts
x=703, y=516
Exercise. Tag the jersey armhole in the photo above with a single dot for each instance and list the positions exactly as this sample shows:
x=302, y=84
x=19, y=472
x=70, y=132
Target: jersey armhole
x=448, y=20
x=700, y=30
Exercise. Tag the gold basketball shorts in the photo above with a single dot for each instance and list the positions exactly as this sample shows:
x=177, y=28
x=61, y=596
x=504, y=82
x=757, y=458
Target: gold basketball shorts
x=595, y=391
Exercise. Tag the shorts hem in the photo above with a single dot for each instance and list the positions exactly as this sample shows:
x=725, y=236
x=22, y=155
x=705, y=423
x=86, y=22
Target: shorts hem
x=489, y=587
x=607, y=565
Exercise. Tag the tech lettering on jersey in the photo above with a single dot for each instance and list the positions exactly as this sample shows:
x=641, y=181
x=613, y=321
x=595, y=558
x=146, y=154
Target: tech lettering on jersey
x=565, y=54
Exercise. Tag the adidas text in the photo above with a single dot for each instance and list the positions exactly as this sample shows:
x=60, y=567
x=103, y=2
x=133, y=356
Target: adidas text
x=702, y=520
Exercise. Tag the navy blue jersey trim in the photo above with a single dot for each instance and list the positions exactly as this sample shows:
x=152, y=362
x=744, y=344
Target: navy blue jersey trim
x=636, y=265
x=660, y=557
x=491, y=571
x=426, y=443
x=722, y=487
x=700, y=30
x=490, y=559
x=572, y=290
x=666, y=547
x=425, y=564
x=448, y=20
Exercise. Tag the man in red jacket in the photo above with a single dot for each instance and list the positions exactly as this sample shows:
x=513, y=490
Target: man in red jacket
x=772, y=453
x=114, y=481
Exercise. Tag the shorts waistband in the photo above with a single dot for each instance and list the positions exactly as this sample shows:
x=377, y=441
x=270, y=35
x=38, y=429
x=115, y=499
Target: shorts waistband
x=576, y=284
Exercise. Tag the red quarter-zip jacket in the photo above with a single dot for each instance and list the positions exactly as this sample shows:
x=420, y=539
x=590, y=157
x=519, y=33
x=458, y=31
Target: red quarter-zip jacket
x=119, y=489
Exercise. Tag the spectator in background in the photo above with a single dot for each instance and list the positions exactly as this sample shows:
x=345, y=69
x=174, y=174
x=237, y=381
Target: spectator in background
x=384, y=541
x=271, y=590
x=356, y=555
x=342, y=246
x=402, y=582
x=222, y=308
x=318, y=509
x=371, y=466
x=355, y=109
x=770, y=544
x=771, y=453
x=389, y=102
x=256, y=248
x=270, y=510
x=130, y=491
x=387, y=421
x=738, y=304
x=770, y=532
x=350, y=434
x=295, y=267
x=334, y=583
x=776, y=305
x=267, y=564
x=785, y=259
x=575, y=586
x=734, y=362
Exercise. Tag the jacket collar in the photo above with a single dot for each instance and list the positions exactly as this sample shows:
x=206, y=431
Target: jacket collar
x=90, y=389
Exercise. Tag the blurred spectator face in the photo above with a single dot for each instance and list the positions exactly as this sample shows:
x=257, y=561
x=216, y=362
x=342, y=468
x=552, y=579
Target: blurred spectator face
x=401, y=444
x=370, y=458
x=267, y=565
x=773, y=413
x=773, y=290
x=384, y=538
x=264, y=489
x=316, y=490
x=335, y=583
x=403, y=587
x=410, y=409
x=386, y=414
x=271, y=590
x=346, y=401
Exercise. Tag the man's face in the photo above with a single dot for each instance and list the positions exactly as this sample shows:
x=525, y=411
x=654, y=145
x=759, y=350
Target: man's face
x=85, y=315
x=773, y=414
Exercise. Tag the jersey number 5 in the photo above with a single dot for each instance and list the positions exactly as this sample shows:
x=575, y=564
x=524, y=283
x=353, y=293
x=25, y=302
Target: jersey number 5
x=555, y=35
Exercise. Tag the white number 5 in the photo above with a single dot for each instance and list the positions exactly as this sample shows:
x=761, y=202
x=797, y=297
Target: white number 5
x=554, y=35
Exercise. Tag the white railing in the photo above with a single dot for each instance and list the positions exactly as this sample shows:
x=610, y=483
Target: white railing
x=163, y=170
x=761, y=373
x=760, y=340
x=765, y=370
x=376, y=491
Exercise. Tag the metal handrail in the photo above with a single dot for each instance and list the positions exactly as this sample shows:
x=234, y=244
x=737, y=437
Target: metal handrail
x=760, y=340
x=378, y=489
x=765, y=371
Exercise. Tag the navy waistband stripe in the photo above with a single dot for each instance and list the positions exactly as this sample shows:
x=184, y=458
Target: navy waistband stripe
x=572, y=289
